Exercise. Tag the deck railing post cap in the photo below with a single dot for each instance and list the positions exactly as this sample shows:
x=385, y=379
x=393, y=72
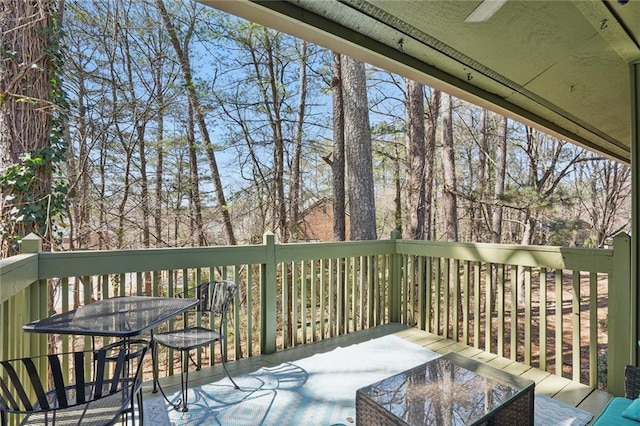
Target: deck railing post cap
x=268, y=237
x=31, y=243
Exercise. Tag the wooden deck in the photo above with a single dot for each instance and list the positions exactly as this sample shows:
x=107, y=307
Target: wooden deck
x=559, y=388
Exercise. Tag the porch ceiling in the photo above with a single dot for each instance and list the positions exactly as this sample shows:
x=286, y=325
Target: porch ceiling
x=562, y=66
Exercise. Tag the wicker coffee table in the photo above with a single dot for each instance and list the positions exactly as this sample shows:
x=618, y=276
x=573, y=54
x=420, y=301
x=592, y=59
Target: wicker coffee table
x=450, y=390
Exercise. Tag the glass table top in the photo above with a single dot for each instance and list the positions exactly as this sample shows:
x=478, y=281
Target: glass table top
x=118, y=316
x=450, y=390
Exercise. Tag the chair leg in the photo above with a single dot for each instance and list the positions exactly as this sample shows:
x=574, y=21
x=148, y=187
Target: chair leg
x=154, y=364
x=157, y=386
x=235, y=385
x=140, y=407
x=224, y=366
x=184, y=380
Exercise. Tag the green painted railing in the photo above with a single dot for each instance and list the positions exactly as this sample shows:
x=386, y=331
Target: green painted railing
x=564, y=310
x=541, y=305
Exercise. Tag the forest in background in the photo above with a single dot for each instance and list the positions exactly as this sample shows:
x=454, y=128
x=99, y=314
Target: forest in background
x=188, y=127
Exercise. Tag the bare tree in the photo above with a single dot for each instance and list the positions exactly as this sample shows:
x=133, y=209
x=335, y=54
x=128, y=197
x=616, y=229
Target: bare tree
x=432, y=113
x=416, y=159
x=359, y=156
x=185, y=65
x=499, y=181
x=449, y=171
x=296, y=176
x=478, y=208
x=338, y=163
x=547, y=162
x=195, y=200
x=608, y=192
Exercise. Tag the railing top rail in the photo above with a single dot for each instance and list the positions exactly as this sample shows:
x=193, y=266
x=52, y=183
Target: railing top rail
x=582, y=259
x=291, y=252
x=78, y=263
x=17, y=273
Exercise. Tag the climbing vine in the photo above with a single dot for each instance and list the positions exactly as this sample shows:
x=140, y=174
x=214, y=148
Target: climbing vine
x=34, y=194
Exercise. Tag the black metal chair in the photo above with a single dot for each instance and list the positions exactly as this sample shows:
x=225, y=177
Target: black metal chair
x=89, y=388
x=216, y=298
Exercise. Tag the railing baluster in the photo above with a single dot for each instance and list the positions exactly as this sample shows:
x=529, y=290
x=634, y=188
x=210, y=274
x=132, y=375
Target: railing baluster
x=577, y=329
x=488, y=308
x=249, y=308
x=466, y=302
x=445, y=298
x=373, y=279
x=404, y=290
x=421, y=305
x=528, y=306
x=340, y=296
x=428, y=297
x=559, y=303
x=513, y=345
x=295, y=292
x=304, y=297
x=500, y=306
x=437, y=283
x=456, y=299
x=354, y=294
x=593, y=329
x=314, y=300
x=362, y=280
x=333, y=288
x=476, y=304
x=321, y=297
x=543, y=319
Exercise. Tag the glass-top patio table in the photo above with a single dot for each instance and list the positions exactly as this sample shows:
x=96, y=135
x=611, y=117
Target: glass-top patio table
x=122, y=317
x=451, y=390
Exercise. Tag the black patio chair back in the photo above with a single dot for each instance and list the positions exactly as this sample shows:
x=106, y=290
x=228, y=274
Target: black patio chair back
x=89, y=387
x=216, y=298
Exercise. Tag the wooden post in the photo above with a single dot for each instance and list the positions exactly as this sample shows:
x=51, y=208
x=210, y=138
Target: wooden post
x=35, y=305
x=395, y=282
x=621, y=336
x=634, y=77
x=268, y=288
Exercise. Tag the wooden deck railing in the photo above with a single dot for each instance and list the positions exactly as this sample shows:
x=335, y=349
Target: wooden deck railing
x=543, y=306
x=564, y=310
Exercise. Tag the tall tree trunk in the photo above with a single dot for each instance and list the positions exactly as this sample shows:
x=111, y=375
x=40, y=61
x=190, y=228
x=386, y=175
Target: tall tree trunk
x=498, y=189
x=159, y=193
x=26, y=111
x=432, y=114
x=126, y=191
x=78, y=175
x=449, y=171
x=478, y=207
x=359, y=154
x=140, y=114
x=449, y=192
x=273, y=104
x=338, y=181
x=338, y=163
x=296, y=177
x=416, y=160
x=195, y=202
x=398, y=185
x=185, y=66
x=105, y=241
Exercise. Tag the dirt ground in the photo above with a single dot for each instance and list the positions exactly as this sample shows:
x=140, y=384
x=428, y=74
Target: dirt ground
x=567, y=327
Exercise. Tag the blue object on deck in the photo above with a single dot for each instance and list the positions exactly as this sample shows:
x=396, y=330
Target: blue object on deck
x=612, y=414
